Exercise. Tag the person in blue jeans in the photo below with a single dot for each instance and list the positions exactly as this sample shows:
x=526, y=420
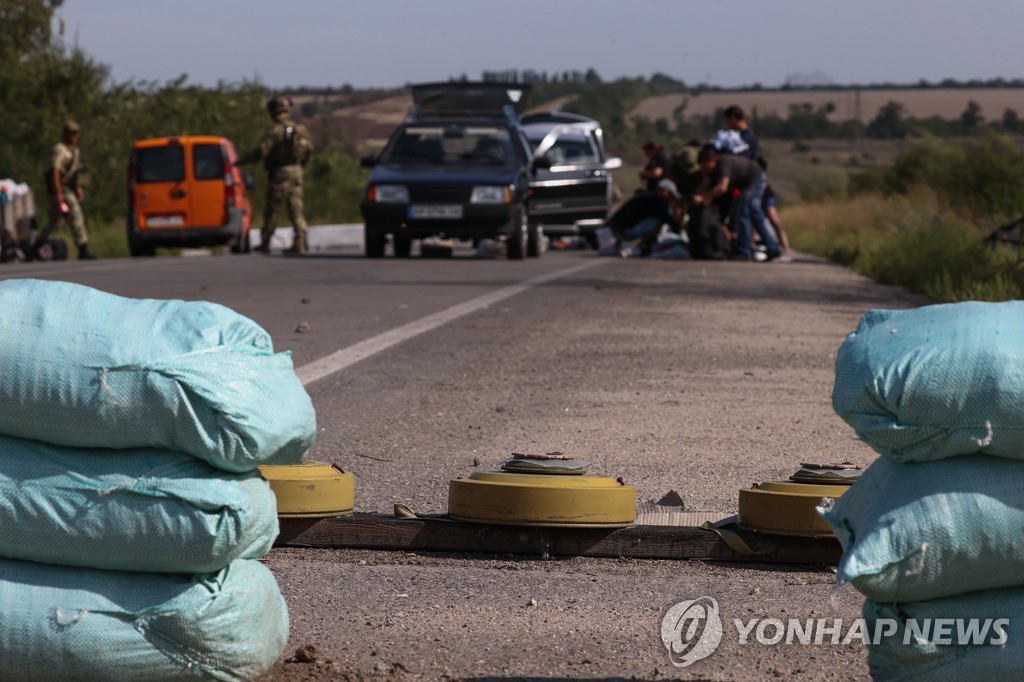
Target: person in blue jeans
x=729, y=173
x=642, y=216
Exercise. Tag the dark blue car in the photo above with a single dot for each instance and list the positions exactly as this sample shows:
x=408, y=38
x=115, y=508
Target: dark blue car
x=459, y=167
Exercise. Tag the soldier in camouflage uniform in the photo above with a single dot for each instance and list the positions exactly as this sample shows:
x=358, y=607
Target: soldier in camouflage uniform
x=285, y=150
x=63, y=182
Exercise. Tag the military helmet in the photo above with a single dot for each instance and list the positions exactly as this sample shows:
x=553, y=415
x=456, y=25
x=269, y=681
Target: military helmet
x=279, y=105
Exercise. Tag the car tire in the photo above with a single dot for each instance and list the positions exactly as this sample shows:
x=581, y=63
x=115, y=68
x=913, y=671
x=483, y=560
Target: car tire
x=534, y=237
x=142, y=250
x=403, y=246
x=374, y=243
x=517, y=238
x=137, y=247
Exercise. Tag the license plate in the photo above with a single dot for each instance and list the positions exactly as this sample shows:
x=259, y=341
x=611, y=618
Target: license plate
x=435, y=212
x=165, y=221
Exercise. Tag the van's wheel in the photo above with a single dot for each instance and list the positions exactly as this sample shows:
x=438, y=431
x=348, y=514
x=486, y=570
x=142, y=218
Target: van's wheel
x=136, y=246
x=374, y=243
x=142, y=250
x=534, y=237
x=517, y=238
x=403, y=246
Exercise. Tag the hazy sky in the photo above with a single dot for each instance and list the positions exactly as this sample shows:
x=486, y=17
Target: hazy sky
x=384, y=43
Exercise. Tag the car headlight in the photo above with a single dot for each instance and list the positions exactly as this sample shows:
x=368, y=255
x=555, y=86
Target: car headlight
x=388, y=194
x=491, y=194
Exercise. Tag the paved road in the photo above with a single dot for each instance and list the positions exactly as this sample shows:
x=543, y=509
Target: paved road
x=696, y=377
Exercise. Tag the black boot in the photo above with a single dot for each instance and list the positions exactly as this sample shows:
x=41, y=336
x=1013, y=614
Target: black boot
x=84, y=254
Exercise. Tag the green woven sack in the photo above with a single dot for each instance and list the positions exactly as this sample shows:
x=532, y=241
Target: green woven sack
x=912, y=532
x=935, y=382
x=133, y=510
x=976, y=636
x=88, y=369
x=64, y=623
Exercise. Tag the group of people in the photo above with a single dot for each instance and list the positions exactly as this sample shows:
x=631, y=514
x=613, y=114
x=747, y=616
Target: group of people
x=717, y=192
x=284, y=149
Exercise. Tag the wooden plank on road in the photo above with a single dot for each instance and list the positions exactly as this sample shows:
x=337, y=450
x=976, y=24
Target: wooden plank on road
x=372, y=531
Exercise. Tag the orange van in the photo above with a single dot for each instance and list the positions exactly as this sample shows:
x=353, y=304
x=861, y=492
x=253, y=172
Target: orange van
x=187, y=192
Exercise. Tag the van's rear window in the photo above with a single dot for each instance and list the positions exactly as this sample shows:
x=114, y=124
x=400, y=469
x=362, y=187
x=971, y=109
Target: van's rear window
x=207, y=162
x=160, y=164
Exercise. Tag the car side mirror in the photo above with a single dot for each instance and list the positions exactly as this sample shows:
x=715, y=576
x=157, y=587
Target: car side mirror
x=540, y=162
x=613, y=163
x=368, y=161
x=248, y=179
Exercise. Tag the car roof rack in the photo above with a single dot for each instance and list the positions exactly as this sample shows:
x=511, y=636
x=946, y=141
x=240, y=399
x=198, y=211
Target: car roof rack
x=554, y=116
x=469, y=98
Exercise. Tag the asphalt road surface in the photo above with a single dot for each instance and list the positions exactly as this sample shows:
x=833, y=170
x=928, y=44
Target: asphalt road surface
x=701, y=378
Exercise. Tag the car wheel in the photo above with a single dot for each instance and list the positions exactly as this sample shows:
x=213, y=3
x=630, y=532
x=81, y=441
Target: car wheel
x=142, y=250
x=534, y=237
x=516, y=242
x=374, y=243
x=403, y=246
x=137, y=247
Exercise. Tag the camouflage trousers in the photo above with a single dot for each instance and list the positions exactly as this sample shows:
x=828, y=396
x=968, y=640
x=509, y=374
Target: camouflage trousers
x=75, y=219
x=284, y=184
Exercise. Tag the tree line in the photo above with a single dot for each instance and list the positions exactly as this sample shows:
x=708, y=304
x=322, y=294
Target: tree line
x=44, y=82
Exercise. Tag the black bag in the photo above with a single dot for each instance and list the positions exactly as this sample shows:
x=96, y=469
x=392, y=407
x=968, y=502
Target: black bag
x=704, y=230
x=53, y=249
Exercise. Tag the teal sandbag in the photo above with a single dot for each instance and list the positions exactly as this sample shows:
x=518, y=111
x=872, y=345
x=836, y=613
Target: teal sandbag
x=984, y=641
x=62, y=623
x=134, y=510
x=83, y=368
x=913, y=532
x=935, y=382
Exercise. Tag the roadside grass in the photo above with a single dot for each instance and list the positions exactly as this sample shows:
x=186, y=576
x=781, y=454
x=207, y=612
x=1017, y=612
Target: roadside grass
x=912, y=241
x=108, y=241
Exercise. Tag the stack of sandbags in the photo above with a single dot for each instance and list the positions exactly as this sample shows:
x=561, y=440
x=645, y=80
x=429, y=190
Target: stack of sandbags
x=932, y=531
x=131, y=508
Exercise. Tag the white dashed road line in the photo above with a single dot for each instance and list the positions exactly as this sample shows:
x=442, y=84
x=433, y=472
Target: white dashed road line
x=339, y=360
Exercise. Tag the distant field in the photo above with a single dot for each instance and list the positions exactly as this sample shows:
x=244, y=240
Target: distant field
x=849, y=104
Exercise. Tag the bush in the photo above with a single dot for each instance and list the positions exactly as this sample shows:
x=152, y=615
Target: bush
x=913, y=242
x=983, y=177
x=822, y=185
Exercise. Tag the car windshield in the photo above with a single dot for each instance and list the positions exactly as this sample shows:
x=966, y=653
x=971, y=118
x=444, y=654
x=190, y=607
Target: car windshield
x=568, y=150
x=453, y=143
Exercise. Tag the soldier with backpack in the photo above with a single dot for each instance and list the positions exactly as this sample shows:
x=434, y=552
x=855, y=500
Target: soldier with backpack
x=64, y=184
x=285, y=150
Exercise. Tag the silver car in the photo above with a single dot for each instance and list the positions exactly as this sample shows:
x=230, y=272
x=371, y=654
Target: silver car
x=573, y=196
